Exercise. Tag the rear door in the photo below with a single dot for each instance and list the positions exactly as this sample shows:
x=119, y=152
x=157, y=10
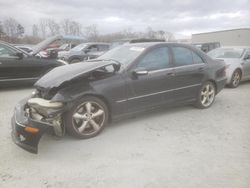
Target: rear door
x=189, y=73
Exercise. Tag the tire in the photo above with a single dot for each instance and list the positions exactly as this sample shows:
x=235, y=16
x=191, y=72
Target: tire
x=206, y=95
x=236, y=78
x=87, y=117
x=75, y=61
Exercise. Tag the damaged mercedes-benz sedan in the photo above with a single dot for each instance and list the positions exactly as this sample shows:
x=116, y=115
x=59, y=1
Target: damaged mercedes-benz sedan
x=82, y=98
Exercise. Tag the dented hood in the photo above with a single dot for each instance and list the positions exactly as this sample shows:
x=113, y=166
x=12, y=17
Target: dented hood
x=59, y=75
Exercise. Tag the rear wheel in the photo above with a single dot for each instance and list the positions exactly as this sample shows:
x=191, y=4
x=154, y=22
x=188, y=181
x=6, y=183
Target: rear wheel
x=87, y=118
x=206, y=95
x=236, y=78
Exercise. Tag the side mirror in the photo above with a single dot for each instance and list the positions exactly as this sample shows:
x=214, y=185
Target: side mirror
x=247, y=57
x=19, y=55
x=139, y=72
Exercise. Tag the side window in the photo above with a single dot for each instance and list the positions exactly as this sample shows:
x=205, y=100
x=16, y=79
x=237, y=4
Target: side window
x=6, y=51
x=197, y=59
x=155, y=59
x=182, y=56
x=92, y=48
x=103, y=47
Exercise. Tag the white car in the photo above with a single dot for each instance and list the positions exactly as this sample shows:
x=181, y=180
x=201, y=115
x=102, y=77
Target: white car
x=237, y=61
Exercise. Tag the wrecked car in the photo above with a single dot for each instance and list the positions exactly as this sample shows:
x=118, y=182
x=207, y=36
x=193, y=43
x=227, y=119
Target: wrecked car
x=82, y=98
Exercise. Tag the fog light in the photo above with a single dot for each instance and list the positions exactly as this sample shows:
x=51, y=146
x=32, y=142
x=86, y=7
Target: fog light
x=31, y=130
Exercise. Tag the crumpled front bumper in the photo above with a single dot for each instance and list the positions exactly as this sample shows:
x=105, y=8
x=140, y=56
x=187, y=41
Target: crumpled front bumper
x=26, y=140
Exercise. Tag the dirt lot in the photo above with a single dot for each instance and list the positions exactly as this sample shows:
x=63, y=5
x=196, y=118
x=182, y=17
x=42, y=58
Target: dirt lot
x=179, y=147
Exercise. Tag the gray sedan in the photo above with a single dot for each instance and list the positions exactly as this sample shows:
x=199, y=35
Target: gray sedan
x=237, y=60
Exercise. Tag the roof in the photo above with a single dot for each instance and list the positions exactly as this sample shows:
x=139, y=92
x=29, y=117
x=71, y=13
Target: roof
x=149, y=44
x=222, y=31
x=236, y=47
x=93, y=43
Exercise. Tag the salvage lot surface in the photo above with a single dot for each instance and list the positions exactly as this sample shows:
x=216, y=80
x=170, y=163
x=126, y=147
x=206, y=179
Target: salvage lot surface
x=177, y=147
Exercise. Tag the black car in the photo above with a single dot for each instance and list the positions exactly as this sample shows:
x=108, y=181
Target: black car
x=18, y=66
x=84, y=51
x=83, y=97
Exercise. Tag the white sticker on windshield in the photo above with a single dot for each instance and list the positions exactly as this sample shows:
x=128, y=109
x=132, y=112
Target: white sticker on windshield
x=135, y=48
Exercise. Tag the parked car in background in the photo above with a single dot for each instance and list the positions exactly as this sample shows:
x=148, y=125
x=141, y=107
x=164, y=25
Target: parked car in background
x=131, y=78
x=84, y=51
x=206, y=47
x=135, y=40
x=237, y=60
x=60, y=43
x=18, y=66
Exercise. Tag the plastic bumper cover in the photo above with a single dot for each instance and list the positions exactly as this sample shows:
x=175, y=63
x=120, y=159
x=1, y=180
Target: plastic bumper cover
x=26, y=140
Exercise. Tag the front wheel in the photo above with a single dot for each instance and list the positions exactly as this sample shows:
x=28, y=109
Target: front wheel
x=206, y=95
x=235, y=80
x=87, y=117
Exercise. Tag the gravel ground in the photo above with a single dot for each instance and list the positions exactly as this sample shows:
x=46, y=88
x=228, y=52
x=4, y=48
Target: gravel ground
x=179, y=147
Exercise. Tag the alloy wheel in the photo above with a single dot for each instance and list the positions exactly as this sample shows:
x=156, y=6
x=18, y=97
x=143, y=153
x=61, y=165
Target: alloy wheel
x=236, y=78
x=88, y=118
x=207, y=95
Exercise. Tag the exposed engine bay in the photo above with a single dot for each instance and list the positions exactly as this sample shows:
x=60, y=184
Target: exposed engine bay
x=46, y=112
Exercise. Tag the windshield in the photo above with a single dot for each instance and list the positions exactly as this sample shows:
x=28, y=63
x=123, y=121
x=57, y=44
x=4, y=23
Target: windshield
x=79, y=47
x=225, y=53
x=123, y=54
x=64, y=46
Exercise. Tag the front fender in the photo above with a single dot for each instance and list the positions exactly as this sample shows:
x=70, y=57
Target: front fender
x=73, y=93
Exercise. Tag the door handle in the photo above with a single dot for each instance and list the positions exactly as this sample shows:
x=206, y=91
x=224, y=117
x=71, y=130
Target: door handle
x=201, y=69
x=1, y=63
x=170, y=74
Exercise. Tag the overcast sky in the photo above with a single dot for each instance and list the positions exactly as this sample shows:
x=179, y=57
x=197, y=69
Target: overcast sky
x=177, y=16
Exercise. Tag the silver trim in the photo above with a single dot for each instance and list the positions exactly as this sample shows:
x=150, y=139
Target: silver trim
x=18, y=79
x=132, y=98
x=21, y=125
x=161, y=70
x=173, y=68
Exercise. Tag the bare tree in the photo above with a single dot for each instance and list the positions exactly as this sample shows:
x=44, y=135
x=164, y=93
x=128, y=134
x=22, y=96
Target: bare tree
x=13, y=28
x=53, y=27
x=35, y=30
x=1, y=30
x=75, y=28
x=43, y=27
x=91, y=33
x=169, y=36
x=70, y=27
x=150, y=33
x=65, y=25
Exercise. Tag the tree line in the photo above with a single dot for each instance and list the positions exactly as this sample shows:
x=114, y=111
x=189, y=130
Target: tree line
x=12, y=31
